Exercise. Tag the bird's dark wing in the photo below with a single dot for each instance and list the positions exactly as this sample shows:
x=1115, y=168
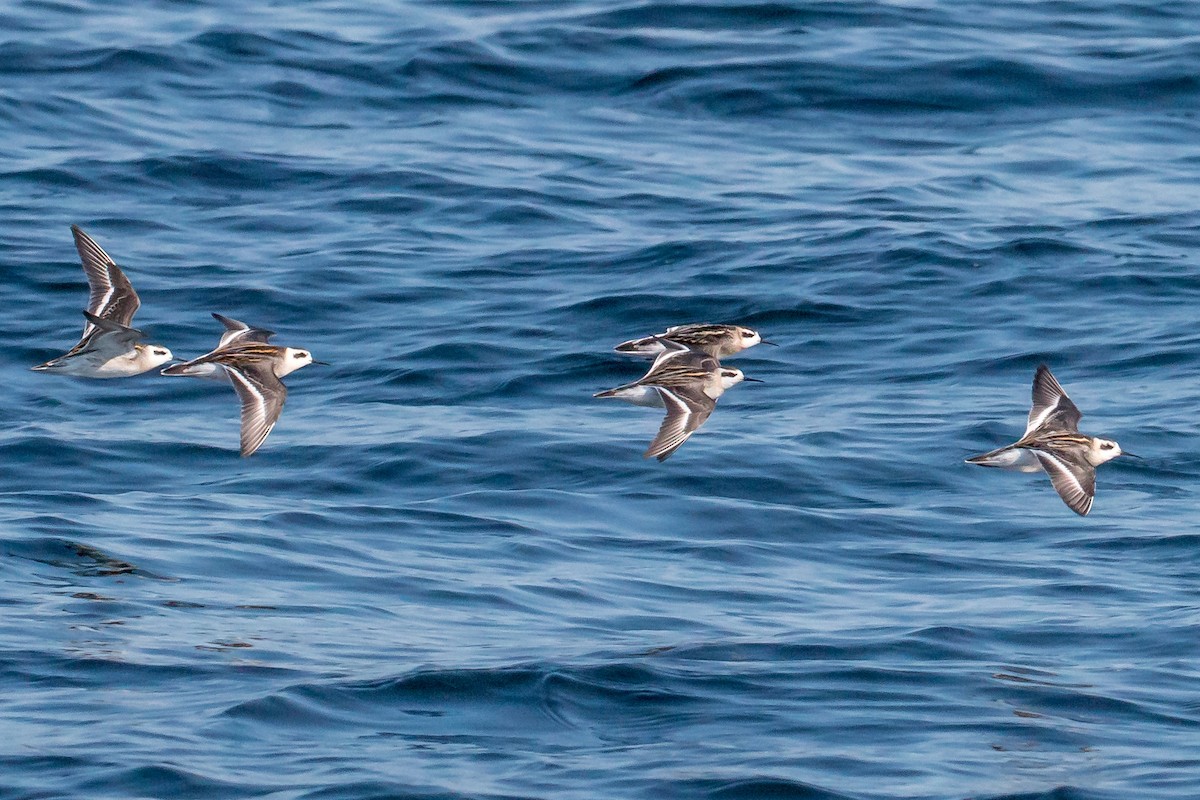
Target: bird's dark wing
x=237, y=332
x=111, y=294
x=262, y=395
x=1073, y=479
x=1052, y=409
x=686, y=412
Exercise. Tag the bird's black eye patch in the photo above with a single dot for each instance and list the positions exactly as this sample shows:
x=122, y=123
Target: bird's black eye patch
x=299, y=355
x=1106, y=446
x=160, y=352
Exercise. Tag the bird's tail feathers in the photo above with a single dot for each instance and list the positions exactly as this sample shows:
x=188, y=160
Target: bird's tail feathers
x=187, y=368
x=646, y=346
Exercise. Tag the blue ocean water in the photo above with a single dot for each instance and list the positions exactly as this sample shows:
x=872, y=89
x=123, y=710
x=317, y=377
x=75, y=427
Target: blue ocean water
x=449, y=573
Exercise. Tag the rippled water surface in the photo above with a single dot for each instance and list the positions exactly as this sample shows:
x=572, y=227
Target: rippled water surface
x=449, y=573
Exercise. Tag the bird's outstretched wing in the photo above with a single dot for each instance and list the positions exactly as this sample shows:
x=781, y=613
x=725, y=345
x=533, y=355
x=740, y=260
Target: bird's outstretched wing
x=237, y=332
x=111, y=295
x=686, y=412
x=262, y=395
x=1073, y=479
x=1052, y=409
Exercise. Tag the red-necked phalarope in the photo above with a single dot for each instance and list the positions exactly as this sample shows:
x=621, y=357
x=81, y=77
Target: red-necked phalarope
x=1052, y=443
x=254, y=368
x=685, y=382
x=718, y=341
x=109, y=347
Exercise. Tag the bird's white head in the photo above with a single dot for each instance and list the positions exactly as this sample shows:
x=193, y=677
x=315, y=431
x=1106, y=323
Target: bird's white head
x=1103, y=450
x=730, y=377
x=153, y=355
x=747, y=337
x=292, y=360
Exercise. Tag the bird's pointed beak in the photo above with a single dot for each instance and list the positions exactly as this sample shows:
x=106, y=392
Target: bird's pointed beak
x=322, y=363
x=753, y=380
x=1132, y=455
x=764, y=341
